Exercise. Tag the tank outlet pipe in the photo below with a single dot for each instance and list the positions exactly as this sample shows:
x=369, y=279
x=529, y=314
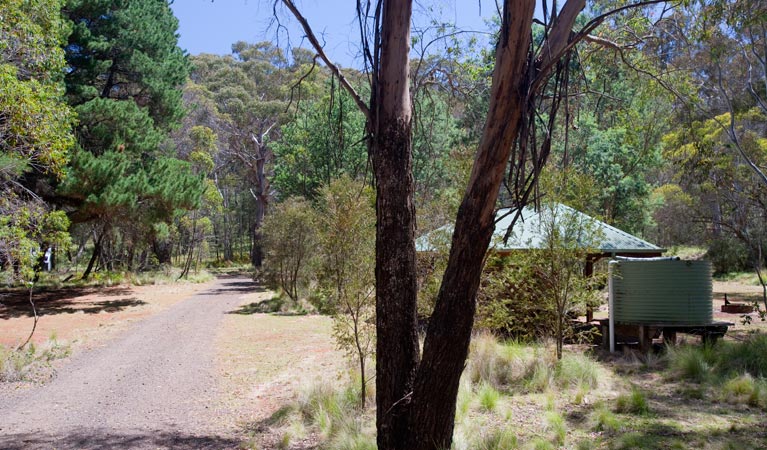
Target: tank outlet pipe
x=611, y=303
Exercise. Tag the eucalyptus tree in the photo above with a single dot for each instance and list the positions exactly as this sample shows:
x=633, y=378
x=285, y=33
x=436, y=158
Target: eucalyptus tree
x=416, y=393
x=252, y=92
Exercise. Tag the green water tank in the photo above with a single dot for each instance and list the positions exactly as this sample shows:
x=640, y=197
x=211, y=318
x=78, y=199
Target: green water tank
x=662, y=291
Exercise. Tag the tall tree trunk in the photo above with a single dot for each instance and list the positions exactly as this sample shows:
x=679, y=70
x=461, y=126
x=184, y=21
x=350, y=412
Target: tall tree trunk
x=447, y=339
x=396, y=322
x=256, y=251
x=261, y=194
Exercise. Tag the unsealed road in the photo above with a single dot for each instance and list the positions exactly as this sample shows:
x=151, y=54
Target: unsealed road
x=153, y=386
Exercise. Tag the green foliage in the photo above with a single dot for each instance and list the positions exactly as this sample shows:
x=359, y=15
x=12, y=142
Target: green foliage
x=346, y=267
x=112, y=125
x=290, y=238
x=36, y=126
x=26, y=230
x=323, y=142
x=532, y=293
x=673, y=213
x=126, y=50
x=124, y=78
x=727, y=255
x=35, y=131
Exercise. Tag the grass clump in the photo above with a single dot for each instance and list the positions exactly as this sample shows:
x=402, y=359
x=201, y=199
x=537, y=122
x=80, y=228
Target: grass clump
x=487, y=362
x=488, y=397
x=634, y=440
x=31, y=363
x=496, y=439
x=748, y=356
x=336, y=415
x=555, y=424
x=578, y=371
x=746, y=389
x=691, y=363
x=634, y=402
x=606, y=421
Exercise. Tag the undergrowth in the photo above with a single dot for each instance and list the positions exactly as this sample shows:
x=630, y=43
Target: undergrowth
x=737, y=369
x=515, y=395
x=32, y=362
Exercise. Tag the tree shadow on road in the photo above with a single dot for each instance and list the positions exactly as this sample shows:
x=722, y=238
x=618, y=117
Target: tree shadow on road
x=102, y=439
x=270, y=305
x=239, y=286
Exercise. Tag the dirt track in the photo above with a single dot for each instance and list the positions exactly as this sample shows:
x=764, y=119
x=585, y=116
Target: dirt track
x=153, y=386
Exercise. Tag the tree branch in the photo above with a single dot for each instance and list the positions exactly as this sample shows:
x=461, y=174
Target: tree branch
x=321, y=52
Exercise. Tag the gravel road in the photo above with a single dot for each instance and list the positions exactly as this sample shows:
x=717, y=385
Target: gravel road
x=153, y=386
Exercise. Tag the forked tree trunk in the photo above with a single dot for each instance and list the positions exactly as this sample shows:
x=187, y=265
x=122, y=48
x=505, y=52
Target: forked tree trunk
x=416, y=402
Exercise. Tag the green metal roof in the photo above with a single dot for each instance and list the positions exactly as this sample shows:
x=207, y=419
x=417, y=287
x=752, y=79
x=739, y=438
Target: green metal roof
x=530, y=230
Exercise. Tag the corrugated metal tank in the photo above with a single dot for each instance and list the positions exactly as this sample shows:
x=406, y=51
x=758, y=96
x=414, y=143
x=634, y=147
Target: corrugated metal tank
x=650, y=292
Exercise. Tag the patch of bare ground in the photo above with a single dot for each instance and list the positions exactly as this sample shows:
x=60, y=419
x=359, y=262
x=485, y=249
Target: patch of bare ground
x=738, y=292
x=85, y=315
x=264, y=360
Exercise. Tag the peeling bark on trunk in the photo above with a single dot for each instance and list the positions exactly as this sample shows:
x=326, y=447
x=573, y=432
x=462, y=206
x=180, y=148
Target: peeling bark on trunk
x=396, y=322
x=449, y=332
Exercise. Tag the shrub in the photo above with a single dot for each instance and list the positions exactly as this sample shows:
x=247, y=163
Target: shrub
x=289, y=243
x=727, y=255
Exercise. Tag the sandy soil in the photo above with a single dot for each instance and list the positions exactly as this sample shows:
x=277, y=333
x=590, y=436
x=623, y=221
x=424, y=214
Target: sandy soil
x=85, y=315
x=264, y=360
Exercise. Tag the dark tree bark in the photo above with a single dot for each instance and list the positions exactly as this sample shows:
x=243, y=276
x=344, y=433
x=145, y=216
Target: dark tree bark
x=162, y=249
x=416, y=400
x=94, y=256
x=397, y=350
x=449, y=332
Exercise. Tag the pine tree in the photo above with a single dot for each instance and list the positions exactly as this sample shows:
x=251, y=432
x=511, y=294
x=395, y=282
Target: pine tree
x=124, y=80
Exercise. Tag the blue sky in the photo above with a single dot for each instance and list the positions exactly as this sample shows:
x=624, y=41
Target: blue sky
x=212, y=27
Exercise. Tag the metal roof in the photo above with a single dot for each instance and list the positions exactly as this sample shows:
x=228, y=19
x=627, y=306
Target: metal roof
x=530, y=230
